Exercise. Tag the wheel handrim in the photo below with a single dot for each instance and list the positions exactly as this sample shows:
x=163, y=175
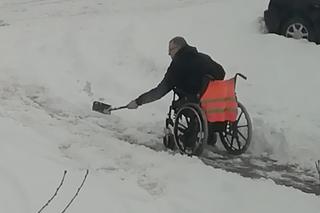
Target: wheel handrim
x=297, y=31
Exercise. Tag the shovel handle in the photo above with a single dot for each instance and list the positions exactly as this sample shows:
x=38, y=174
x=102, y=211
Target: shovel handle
x=117, y=108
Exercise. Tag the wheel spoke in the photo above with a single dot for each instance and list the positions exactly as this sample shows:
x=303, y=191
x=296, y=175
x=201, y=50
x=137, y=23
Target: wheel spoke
x=185, y=118
x=241, y=135
x=304, y=35
x=301, y=28
x=291, y=29
x=180, y=125
x=241, y=126
x=239, y=143
x=181, y=130
x=290, y=34
x=188, y=120
x=228, y=140
x=239, y=116
x=232, y=139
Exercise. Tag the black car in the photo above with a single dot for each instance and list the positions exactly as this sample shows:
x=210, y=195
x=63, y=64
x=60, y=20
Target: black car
x=294, y=18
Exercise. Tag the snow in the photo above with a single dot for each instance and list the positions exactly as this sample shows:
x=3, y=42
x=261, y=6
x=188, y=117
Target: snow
x=57, y=57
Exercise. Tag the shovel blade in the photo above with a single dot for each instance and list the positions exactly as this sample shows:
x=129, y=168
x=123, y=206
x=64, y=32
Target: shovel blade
x=101, y=107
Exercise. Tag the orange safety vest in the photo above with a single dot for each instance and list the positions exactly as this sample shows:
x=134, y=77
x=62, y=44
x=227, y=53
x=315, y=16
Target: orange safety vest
x=219, y=101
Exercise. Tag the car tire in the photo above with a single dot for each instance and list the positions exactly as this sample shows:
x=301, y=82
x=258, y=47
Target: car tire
x=298, y=28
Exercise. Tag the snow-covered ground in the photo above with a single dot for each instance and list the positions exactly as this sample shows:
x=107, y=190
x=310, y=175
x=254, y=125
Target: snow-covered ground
x=56, y=57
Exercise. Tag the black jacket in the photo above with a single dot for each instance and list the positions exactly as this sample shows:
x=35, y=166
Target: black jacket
x=185, y=74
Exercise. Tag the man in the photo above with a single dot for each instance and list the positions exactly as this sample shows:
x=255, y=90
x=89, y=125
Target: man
x=185, y=75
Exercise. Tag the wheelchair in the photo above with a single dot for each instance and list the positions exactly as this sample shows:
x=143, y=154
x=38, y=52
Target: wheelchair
x=216, y=112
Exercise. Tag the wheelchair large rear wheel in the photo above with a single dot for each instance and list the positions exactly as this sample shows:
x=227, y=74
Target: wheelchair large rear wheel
x=190, y=129
x=237, y=135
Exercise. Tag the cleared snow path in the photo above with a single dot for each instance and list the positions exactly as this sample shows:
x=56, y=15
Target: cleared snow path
x=50, y=115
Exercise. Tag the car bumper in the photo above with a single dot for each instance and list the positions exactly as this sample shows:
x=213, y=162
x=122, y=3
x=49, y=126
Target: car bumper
x=272, y=21
x=317, y=32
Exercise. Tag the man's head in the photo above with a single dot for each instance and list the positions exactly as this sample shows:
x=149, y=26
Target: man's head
x=175, y=45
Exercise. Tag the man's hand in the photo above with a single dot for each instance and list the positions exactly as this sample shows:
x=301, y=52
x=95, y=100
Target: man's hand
x=132, y=105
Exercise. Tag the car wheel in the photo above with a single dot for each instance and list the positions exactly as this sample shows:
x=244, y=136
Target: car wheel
x=298, y=28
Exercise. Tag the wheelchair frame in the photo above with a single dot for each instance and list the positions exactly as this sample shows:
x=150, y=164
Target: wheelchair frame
x=187, y=128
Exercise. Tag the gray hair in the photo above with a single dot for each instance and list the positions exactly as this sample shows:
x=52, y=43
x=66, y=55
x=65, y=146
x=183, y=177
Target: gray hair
x=179, y=41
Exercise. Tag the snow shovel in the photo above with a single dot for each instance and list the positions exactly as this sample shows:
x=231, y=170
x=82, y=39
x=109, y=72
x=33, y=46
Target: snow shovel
x=105, y=108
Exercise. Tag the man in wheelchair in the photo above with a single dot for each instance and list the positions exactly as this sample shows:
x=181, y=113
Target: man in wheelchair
x=185, y=75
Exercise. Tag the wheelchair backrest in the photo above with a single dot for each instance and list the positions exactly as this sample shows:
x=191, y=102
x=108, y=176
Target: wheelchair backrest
x=219, y=101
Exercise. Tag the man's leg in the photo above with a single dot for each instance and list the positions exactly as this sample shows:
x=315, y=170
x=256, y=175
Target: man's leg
x=212, y=135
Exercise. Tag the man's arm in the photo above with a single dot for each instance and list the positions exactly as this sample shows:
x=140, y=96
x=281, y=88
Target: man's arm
x=158, y=92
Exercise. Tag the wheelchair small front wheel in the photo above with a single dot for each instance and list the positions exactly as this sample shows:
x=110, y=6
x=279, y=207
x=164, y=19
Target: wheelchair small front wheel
x=190, y=129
